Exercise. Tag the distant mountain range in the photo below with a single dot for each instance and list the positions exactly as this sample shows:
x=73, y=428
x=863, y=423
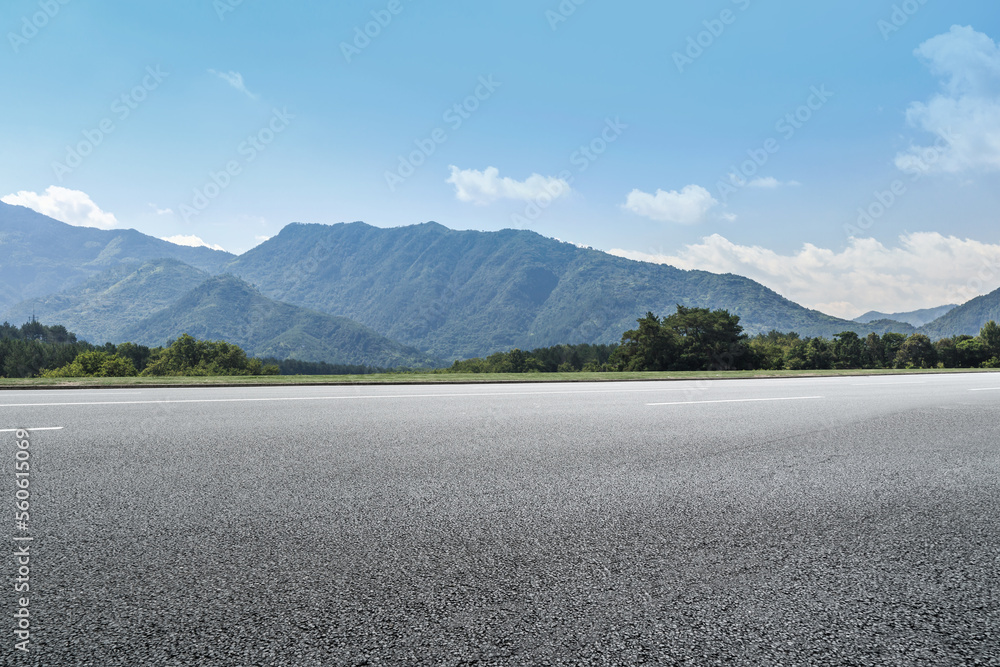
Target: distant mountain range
x=468, y=293
x=966, y=319
x=157, y=301
x=106, y=305
x=916, y=318
x=41, y=256
x=357, y=294
x=226, y=308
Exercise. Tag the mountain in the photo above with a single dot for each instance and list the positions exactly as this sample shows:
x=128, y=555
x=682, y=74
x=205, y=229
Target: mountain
x=966, y=319
x=41, y=256
x=469, y=293
x=108, y=304
x=450, y=294
x=226, y=308
x=916, y=318
x=886, y=326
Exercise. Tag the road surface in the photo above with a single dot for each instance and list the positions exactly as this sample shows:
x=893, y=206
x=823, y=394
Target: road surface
x=840, y=521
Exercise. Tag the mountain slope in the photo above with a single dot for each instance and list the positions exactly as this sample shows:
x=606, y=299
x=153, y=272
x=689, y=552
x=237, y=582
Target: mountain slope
x=106, y=305
x=226, y=308
x=469, y=293
x=916, y=318
x=966, y=319
x=885, y=326
x=41, y=256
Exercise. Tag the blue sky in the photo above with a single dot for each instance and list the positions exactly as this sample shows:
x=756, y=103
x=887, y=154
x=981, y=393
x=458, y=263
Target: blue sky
x=732, y=135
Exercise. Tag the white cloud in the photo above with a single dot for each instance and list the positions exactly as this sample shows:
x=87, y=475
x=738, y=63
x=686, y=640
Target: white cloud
x=965, y=118
x=925, y=270
x=687, y=207
x=234, y=79
x=191, y=241
x=486, y=187
x=70, y=206
x=161, y=211
x=767, y=182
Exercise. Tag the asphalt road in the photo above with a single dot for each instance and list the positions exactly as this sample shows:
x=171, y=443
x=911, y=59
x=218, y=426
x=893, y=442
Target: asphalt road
x=841, y=521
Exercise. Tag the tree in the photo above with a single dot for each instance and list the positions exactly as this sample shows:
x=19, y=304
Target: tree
x=917, y=351
x=9, y=331
x=189, y=356
x=819, y=355
x=873, y=355
x=990, y=337
x=58, y=334
x=767, y=355
x=95, y=363
x=22, y=359
x=795, y=356
x=971, y=352
x=891, y=342
x=139, y=355
x=116, y=366
x=33, y=330
x=848, y=350
x=708, y=339
x=947, y=352
x=651, y=347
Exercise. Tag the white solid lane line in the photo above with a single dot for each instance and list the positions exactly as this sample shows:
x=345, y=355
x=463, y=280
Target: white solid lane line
x=90, y=392
x=743, y=400
x=883, y=384
x=339, y=398
x=42, y=428
x=987, y=389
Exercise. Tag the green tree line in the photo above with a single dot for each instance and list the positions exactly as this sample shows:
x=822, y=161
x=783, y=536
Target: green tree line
x=699, y=339
x=559, y=358
x=691, y=339
x=36, y=350
x=297, y=367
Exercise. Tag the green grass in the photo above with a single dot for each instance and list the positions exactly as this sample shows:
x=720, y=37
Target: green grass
x=438, y=378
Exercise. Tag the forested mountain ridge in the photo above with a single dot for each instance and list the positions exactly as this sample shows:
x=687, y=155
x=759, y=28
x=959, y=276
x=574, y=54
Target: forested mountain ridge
x=40, y=256
x=915, y=318
x=469, y=293
x=451, y=294
x=967, y=318
x=226, y=308
x=104, y=307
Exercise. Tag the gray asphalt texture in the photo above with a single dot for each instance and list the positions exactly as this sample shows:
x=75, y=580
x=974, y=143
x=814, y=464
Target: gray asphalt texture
x=571, y=524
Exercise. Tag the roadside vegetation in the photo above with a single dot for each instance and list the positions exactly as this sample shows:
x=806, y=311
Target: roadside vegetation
x=36, y=350
x=697, y=339
x=694, y=341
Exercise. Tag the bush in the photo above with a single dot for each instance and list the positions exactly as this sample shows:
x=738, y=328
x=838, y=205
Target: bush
x=189, y=356
x=95, y=363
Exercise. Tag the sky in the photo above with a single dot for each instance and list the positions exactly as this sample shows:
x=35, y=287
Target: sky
x=846, y=155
